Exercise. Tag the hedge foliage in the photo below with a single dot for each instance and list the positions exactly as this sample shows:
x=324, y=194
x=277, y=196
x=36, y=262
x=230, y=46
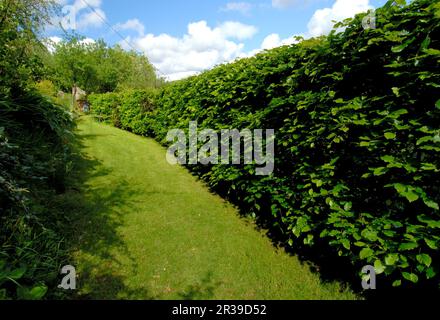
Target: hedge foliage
x=130, y=110
x=357, y=117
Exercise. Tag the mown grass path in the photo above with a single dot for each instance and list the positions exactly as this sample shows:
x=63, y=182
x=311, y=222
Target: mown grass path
x=149, y=230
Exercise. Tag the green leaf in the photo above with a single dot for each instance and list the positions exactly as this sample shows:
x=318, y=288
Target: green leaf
x=366, y=253
x=411, y=196
x=391, y=259
x=369, y=235
x=408, y=246
x=390, y=135
x=430, y=273
x=346, y=243
x=431, y=204
x=397, y=283
x=380, y=171
x=398, y=113
x=426, y=42
x=431, y=223
x=431, y=243
x=433, y=52
x=379, y=267
x=318, y=183
x=309, y=239
x=437, y=104
x=410, y=277
x=400, y=188
x=388, y=159
x=398, y=49
x=423, y=140
x=36, y=293
x=17, y=273
x=348, y=206
x=424, y=259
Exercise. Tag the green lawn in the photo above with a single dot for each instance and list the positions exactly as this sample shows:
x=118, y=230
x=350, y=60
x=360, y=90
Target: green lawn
x=147, y=230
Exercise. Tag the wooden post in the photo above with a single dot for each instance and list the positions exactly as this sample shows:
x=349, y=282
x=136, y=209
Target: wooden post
x=73, y=96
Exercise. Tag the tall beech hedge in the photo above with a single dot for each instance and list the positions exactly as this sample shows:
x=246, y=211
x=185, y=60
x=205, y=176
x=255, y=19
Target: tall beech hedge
x=357, y=120
x=130, y=110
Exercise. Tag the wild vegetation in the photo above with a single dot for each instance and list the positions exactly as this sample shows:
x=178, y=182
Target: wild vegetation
x=357, y=118
x=37, y=151
x=34, y=157
x=97, y=68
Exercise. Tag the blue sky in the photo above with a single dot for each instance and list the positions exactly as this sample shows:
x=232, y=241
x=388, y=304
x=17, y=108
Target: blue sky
x=183, y=37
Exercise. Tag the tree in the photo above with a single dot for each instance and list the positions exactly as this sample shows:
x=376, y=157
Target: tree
x=20, y=23
x=73, y=65
x=98, y=68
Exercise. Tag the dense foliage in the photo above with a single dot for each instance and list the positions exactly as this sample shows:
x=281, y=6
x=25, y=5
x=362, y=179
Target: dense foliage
x=357, y=119
x=130, y=110
x=96, y=67
x=34, y=157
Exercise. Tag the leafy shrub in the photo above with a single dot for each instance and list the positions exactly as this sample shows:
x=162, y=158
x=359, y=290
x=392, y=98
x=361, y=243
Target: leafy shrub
x=34, y=160
x=135, y=110
x=46, y=88
x=132, y=109
x=105, y=107
x=34, y=157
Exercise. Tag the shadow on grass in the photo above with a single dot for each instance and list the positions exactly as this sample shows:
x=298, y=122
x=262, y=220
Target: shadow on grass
x=93, y=221
x=203, y=290
x=93, y=203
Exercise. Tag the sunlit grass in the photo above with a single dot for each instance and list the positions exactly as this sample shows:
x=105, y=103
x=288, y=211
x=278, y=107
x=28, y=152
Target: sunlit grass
x=149, y=230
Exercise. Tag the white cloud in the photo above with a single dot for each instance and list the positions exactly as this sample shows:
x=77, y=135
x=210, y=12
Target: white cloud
x=242, y=7
x=132, y=24
x=322, y=21
x=80, y=14
x=237, y=30
x=91, y=19
x=87, y=41
x=274, y=40
x=201, y=48
x=271, y=41
x=51, y=42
